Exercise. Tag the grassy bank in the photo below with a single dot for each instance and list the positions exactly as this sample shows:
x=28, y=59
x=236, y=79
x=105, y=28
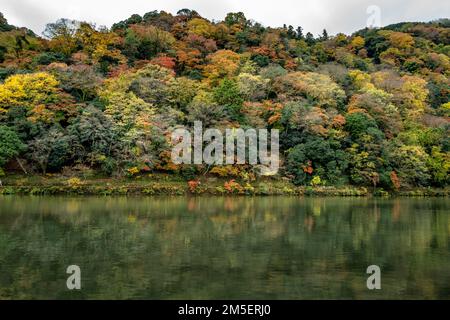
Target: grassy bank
x=162, y=184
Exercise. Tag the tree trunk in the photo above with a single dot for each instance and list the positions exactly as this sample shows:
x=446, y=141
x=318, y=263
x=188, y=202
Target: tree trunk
x=21, y=166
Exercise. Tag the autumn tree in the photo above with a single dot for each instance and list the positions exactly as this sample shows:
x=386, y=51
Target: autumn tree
x=313, y=86
x=144, y=42
x=62, y=35
x=28, y=90
x=410, y=163
x=221, y=64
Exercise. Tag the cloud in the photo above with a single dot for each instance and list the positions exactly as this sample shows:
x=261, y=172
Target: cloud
x=336, y=16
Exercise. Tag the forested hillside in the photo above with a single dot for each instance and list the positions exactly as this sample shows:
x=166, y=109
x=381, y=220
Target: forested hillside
x=368, y=109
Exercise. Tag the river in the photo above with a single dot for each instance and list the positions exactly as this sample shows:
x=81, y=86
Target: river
x=224, y=248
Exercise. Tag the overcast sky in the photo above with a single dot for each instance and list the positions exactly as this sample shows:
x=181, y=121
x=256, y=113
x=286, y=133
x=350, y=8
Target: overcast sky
x=313, y=15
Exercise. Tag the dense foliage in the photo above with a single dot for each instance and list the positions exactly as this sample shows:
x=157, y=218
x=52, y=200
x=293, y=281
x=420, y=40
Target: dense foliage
x=370, y=109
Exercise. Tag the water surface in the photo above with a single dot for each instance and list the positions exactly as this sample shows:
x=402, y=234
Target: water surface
x=224, y=248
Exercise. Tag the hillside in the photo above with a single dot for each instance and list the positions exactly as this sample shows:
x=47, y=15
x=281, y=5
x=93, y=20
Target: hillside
x=370, y=109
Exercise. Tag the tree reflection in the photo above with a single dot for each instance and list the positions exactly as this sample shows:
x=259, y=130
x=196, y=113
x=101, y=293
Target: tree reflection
x=224, y=248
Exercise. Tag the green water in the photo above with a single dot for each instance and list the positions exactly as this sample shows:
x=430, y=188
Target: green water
x=224, y=248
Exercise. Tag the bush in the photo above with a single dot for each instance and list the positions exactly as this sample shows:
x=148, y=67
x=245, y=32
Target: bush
x=74, y=182
x=46, y=58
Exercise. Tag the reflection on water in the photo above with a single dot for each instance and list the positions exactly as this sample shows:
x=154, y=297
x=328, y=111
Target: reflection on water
x=224, y=248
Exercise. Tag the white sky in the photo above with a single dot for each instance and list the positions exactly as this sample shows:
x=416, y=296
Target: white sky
x=313, y=15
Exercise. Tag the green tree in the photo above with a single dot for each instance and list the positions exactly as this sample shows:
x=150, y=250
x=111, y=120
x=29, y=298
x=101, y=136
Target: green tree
x=227, y=94
x=145, y=42
x=235, y=18
x=358, y=123
x=4, y=26
x=51, y=150
x=94, y=140
x=439, y=166
x=10, y=146
x=317, y=157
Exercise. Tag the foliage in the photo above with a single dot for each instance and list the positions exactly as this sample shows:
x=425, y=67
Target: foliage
x=144, y=42
x=319, y=157
x=317, y=88
x=370, y=109
x=410, y=163
x=221, y=64
x=227, y=94
x=10, y=145
x=28, y=90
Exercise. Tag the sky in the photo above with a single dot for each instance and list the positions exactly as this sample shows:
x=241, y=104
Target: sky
x=336, y=16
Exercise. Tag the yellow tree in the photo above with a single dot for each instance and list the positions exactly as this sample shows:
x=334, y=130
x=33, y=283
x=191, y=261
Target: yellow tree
x=412, y=96
x=221, y=64
x=39, y=93
x=357, y=43
x=98, y=44
x=28, y=90
x=201, y=27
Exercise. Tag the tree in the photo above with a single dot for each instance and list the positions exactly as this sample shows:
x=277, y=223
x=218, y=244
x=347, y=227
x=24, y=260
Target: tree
x=10, y=146
x=28, y=90
x=189, y=14
x=4, y=26
x=310, y=39
x=133, y=19
x=301, y=117
x=221, y=64
x=319, y=88
x=93, y=138
x=128, y=105
x=233, y=18
x=40, y=95
x=400, y=40
x=182, y=92
x=81, y=81
x=377, y=104
x=99, y=45
x=439, y=166
x=412, y=96
x=252, y=87
x=227, y=95
x=144, y=42
x=152, y=84
x=299, y=33
x=62, y=35
x=123, y=107
x=357, y=43
x=367, y=108
x=358, y=123
x=204, y=108
x=364, y=164
x=317, y=156
x=201, y=27
x=164, y=61
x=410, y=163
x=50, y=150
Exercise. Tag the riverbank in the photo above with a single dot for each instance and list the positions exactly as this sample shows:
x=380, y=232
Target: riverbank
x=163, y=184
